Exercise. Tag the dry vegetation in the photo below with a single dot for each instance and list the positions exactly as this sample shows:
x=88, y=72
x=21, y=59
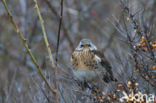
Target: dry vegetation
x=35, y=51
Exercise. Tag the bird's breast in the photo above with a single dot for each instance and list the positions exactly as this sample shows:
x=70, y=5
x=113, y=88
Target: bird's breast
x=84, y=60
x=85, y=65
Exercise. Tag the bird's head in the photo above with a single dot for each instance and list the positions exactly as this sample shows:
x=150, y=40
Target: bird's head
x=86, y=44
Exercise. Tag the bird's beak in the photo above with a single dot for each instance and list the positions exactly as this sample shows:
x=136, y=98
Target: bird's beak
x=86, y=46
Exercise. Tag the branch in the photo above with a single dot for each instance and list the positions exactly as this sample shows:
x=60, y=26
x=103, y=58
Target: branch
x=49, y=50
x=59, y=30
x=66, y=33
x=26, y=46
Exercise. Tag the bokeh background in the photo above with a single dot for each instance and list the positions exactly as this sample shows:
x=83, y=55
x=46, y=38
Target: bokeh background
x=101, y=21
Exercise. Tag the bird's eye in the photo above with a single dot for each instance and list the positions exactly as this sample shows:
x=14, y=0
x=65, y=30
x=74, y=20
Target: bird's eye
x=81, y=46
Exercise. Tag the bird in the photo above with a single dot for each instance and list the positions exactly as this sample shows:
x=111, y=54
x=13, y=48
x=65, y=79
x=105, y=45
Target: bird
x=89, y=64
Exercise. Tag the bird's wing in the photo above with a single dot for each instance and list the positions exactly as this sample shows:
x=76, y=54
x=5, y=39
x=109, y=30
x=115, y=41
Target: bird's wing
x=109, y=75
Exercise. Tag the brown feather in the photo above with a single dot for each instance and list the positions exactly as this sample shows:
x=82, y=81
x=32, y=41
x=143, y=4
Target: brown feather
x=105, y=64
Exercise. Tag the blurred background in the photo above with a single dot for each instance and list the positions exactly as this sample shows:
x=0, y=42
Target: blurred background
x=101, y=21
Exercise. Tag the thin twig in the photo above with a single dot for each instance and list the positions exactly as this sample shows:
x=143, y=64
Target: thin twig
x=66, y=33
x=49, y=50
x=59, y=30
x=44, y=34
x=44, y=93
x=26, y=46
x=79, y=15
x=57, y=48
